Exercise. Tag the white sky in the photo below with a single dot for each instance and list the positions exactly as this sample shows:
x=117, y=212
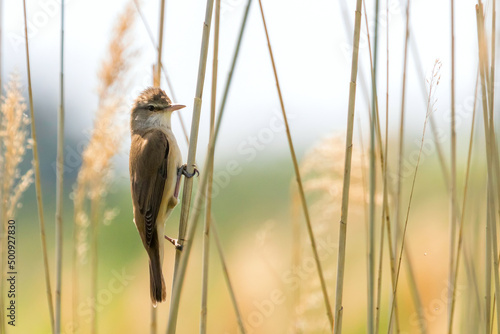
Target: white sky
x=309, y=41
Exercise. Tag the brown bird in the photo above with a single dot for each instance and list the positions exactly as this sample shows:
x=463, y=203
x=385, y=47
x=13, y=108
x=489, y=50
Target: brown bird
x=155, y=171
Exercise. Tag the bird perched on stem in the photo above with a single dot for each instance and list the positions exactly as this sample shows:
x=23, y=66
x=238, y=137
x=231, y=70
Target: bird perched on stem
x=155, y=172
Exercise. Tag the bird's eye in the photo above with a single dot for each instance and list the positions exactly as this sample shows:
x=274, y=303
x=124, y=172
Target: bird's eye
x=151, y=107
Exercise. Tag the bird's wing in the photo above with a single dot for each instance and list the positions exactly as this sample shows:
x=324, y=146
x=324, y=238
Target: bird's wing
x=148, y=172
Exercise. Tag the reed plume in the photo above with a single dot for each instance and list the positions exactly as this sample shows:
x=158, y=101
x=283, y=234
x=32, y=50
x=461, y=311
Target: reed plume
x=96, y=173
x=14, y=143
x=323, y=171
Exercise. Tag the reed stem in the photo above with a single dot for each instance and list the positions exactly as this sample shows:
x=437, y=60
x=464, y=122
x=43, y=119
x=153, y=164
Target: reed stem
x=38, y=184
x=188, y=182
x=453, y=185
x=226, y=276
x=299, y=180
x=60, y=185
x=157, y=75
x=347, y=172
x=434, y=81
x=208, y=204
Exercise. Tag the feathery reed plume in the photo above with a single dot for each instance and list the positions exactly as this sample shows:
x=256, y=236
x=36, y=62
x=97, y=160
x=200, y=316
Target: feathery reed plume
x=322, y=169
x=14, y=142
x=96, y=172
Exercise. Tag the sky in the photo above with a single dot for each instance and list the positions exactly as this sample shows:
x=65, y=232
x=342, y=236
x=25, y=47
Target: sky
x=311, y=42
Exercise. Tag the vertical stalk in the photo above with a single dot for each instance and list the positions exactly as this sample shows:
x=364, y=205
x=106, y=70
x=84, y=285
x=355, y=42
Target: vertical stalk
x=401, y=144
x=94, y=222
x=60, y=184
x=188, y=183
x=384, y=170
x=347, y=173
x=491, y=153
x=208, y=205
x=374, y=111
x=38, y=184
x=434, y=81
x=226, y=276
x=462, y=215
x=157, y=75
x=453, y=183
x=299, y=180
x=193, y=222
x=154, y=321
x=235, y=57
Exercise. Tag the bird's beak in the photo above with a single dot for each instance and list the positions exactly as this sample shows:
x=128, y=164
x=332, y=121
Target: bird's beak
x=174, y=107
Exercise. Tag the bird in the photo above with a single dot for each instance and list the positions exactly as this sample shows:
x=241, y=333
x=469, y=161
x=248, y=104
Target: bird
x=156, y=168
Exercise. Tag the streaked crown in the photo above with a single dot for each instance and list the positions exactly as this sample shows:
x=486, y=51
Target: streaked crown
x=152, y=96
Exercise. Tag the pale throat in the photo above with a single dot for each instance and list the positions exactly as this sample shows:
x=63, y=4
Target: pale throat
x=159, y=120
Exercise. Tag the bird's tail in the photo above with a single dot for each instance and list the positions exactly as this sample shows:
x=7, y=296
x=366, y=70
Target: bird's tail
x=157, y=283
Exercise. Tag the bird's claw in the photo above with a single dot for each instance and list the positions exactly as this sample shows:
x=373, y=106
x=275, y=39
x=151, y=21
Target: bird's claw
x=174, y=242
x=183, y=171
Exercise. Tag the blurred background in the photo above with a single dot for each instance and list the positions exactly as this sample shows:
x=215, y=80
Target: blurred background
x=256, y=209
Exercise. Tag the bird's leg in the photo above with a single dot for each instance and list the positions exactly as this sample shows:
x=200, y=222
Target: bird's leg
x=183, y=171
x=178, y=182
x=174, y=242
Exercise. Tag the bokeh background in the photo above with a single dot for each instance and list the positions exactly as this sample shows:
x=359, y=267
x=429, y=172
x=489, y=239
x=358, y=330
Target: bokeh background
x=257, y=212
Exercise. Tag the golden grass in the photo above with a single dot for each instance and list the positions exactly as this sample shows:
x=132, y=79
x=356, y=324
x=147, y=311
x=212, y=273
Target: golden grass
x=96, y=172
x=322, y=168
x=14, y=143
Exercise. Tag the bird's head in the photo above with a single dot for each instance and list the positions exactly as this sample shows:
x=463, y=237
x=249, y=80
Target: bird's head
x=152, y=108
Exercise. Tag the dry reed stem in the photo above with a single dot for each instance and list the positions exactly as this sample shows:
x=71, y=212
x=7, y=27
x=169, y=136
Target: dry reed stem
x=492, y=160
x=226, y=276
x=347, y=173
x=401, y=146
x=482, y=70
x=235, y=57
x=453, y=185
x=157, y=75
x=60, y=185
x=210, y=171
x=188, y=183
x=462, y=215
x=433, y=83
x=371, y=233
x=184, y=256
x=38, y=185
x=299, y=181
x=384, y=185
